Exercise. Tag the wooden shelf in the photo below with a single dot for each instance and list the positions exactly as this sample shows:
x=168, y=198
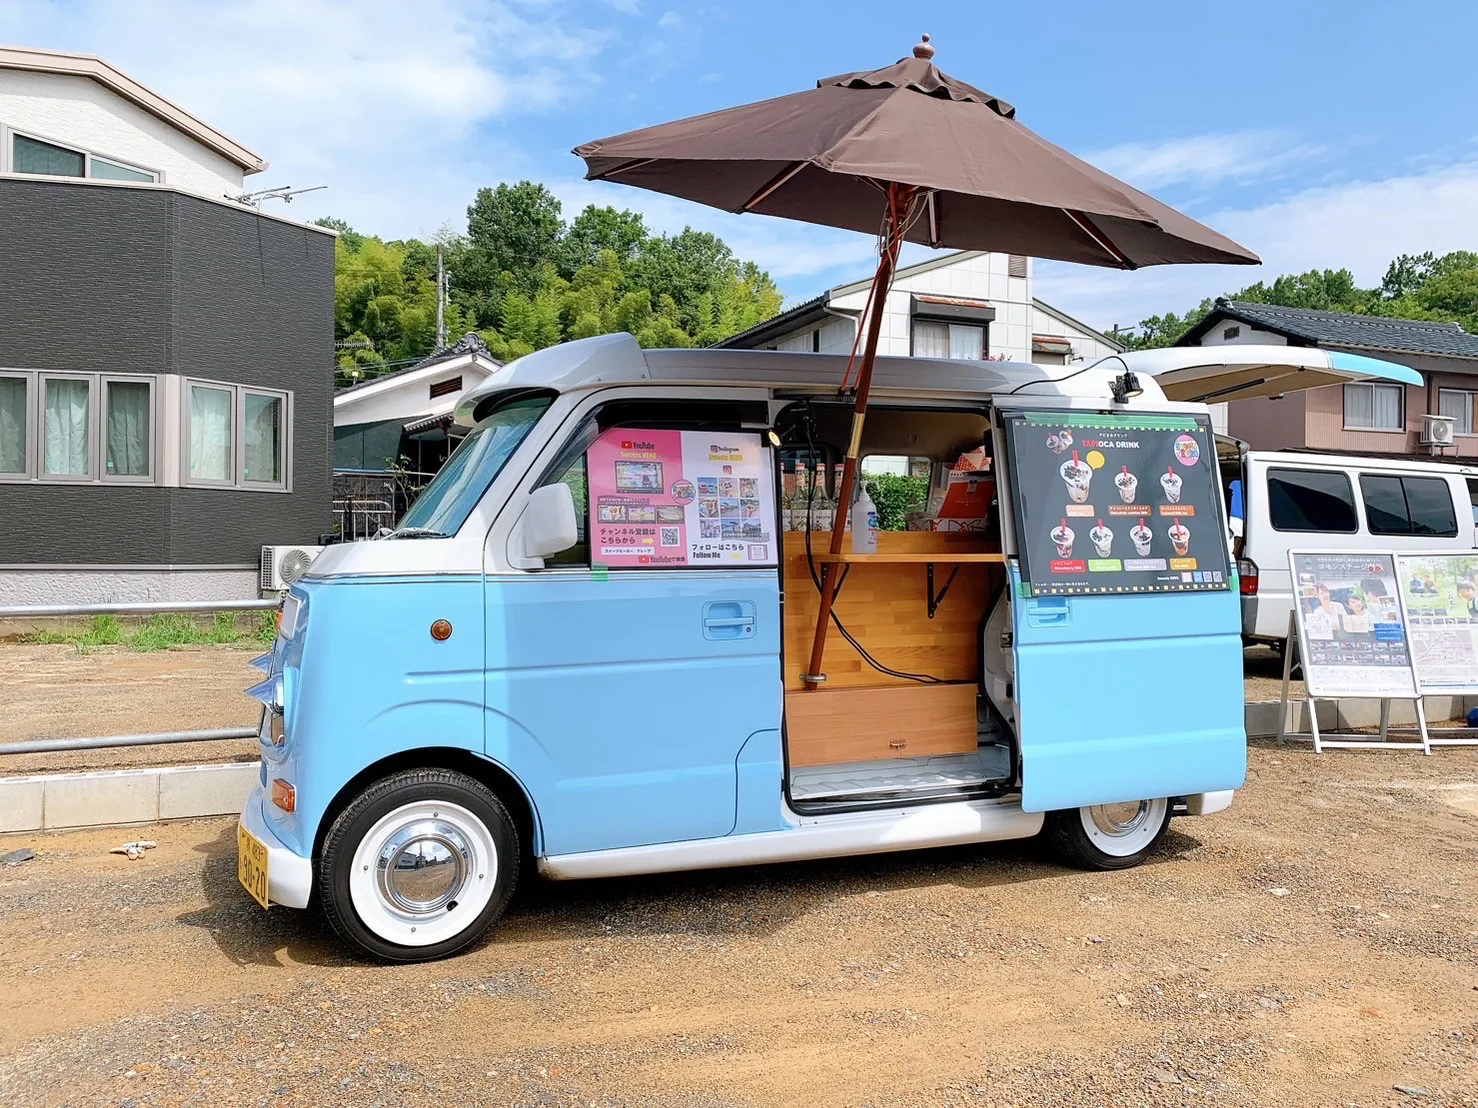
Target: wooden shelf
x=909, y=557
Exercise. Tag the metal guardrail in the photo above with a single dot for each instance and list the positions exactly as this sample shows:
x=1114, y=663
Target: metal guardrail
x=138, y=608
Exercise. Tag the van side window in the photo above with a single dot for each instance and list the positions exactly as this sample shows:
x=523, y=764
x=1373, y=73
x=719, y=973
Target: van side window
x=1311, y=500
x=1473, y=496
x=1398, y=505
x=570, y=467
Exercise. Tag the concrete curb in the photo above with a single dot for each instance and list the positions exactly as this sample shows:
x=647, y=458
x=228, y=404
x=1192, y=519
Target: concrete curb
x=57, y=801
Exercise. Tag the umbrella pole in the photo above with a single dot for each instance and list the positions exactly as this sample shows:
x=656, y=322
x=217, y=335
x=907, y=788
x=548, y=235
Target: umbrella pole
x=899, y=198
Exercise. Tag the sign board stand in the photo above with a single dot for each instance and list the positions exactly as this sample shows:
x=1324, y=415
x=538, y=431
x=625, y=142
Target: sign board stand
x=1350, y=626
x=1440, y=595
x=1341, y=742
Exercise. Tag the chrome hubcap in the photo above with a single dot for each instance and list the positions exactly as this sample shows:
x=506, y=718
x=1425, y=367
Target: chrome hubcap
x=423, y=866
x=1119, y=819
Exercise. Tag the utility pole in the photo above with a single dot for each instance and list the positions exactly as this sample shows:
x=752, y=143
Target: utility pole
x=440, y=301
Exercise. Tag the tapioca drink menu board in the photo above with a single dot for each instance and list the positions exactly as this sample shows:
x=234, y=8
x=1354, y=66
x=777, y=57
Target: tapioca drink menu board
x=1116, y=503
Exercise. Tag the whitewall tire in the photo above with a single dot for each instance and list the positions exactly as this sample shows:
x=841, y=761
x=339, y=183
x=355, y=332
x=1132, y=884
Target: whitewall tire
x=1108, y=836
x=419, y=865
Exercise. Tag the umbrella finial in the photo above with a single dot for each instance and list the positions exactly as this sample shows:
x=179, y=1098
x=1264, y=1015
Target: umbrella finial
x=923, y=50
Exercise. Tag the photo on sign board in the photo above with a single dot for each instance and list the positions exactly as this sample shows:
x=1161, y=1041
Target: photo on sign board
x=1440, y=592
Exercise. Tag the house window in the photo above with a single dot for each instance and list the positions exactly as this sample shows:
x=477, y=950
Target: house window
x=128, y=411
x=66, y=427
x=948, y=340
x=15, y=426
x=264, y=415
x=33, y=155
x=1408, y=505
x=237, y=436
x=1458, y=405
x=1370, y=407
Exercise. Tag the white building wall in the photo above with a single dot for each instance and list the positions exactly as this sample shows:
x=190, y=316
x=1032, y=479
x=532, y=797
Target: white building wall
x=1244, y=334
x=80, y=112
x=974, y=277
x=1087, y=348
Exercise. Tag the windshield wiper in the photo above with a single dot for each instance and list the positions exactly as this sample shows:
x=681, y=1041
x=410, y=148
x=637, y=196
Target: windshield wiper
x=417, y=533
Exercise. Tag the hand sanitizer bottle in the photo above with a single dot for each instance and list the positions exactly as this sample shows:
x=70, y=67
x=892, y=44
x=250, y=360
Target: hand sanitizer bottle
x=865, y=523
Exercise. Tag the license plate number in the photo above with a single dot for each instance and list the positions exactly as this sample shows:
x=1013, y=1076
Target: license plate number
x=251, y=865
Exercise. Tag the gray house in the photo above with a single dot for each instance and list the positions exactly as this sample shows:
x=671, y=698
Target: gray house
x=166, y=351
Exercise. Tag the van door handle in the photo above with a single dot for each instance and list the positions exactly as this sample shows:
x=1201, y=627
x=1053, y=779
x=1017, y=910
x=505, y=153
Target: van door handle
x=729, y=619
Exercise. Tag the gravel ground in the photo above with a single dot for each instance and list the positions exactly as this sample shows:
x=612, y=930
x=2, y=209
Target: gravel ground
x=55, y=692
x=1315, y=945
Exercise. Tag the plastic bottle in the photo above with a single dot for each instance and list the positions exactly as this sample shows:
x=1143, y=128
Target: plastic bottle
x=865, y=523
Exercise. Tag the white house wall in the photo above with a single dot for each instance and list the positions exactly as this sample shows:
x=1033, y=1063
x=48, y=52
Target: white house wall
x=1087, y=348
x=974, y=277
x=1245, y=334
x=406, y=398
x=80, y=112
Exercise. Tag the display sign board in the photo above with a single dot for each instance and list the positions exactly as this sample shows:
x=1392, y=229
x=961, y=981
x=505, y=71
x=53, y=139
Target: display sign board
x=1351, y=625
x=1440, y=593
x=1116, y=503
x=681, y=498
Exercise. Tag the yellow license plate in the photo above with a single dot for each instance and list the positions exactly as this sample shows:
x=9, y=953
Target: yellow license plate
x=251, y=864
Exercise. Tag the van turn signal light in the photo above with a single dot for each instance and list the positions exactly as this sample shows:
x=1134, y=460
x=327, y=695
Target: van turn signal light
x=284, y=795
x=441, y=630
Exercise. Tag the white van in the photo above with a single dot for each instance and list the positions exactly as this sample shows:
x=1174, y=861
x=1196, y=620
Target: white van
x=1294, y=499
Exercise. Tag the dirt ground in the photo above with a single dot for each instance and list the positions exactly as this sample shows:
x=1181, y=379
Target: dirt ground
x=1315, y=945
x=55, y=692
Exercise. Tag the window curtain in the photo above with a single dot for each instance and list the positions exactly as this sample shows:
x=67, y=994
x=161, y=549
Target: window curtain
x=1458, y=406
x=930, y=340
x=966, y=341
x=128, y=429
x=66, y=428
x=12, y=425
x=262, y=441
x=210, y=434
x=1385, y=407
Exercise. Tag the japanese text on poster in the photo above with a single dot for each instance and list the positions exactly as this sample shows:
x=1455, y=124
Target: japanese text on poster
x=680, y=498
x=1116, y=503
x=1351, y=627
x=1440, y=592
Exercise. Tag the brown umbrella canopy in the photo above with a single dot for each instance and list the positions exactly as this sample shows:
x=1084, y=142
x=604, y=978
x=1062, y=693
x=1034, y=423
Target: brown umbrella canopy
x=991, y=184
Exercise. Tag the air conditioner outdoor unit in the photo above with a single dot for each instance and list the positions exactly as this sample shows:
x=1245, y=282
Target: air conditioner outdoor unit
x=1437, y=430
x=282, y=565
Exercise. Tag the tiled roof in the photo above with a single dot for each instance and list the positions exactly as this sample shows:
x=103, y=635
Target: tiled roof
x=470, y=343
x=1367, y=332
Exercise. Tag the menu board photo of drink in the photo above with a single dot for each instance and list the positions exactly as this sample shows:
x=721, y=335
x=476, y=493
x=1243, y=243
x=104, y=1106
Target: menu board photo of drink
x=681, y=498
x=1116, y=503
x=1440, y=592
x=1351, y=626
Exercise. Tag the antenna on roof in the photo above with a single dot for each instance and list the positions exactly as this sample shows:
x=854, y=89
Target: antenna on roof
x=285, y=193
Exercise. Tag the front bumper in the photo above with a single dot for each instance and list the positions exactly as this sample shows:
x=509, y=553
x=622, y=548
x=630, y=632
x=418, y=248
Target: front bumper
x=289, y=876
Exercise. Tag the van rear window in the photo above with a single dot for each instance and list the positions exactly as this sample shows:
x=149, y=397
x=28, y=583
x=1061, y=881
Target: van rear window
x=1396, y=505
x=1311, y=500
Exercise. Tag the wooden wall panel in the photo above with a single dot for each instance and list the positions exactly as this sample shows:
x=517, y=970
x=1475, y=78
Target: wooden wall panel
x=867, y=725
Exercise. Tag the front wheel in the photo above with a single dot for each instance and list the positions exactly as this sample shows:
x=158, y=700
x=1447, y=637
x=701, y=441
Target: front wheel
x=418, y=865
x=1108, y=836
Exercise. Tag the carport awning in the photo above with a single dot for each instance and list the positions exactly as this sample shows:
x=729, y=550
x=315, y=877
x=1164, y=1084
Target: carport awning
x=429, y=423
x=1216, y=374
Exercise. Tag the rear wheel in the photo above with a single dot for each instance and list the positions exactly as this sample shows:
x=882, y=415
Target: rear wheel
x=1108, y=836
x=419, y=865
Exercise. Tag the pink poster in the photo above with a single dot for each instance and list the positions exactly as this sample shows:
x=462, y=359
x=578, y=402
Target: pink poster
x=678, y=498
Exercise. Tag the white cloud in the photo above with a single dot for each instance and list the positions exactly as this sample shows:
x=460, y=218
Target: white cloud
x=669, y=20
x=1204, y=159
x=1357, y=225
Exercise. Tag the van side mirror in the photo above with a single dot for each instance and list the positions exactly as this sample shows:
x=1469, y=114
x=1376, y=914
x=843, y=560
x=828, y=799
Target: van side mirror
x=549, y=524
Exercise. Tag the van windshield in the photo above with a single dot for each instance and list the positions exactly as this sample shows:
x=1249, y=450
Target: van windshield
x=454, y=492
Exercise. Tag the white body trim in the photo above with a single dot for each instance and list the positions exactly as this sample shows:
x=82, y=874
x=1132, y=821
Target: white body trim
x=822, y=837
x=289, y=876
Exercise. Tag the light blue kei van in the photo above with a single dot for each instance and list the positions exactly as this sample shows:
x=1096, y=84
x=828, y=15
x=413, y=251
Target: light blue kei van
x=584, y=645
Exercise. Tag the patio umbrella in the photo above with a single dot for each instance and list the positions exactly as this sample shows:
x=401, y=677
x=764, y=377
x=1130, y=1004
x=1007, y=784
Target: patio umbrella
x=912, y=154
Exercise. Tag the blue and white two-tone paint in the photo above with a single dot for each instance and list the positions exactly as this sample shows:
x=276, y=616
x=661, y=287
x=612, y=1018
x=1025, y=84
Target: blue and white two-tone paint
x=444, y=704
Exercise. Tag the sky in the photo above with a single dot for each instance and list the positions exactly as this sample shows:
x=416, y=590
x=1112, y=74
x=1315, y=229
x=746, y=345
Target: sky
x=1317, y=134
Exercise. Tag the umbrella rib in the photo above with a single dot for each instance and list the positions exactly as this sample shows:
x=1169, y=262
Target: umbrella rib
x=1086, y=226
x=624, y=167
x=774, y=183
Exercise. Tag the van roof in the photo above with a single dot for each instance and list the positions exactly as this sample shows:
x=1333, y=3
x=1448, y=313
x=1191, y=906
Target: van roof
x=607, y=360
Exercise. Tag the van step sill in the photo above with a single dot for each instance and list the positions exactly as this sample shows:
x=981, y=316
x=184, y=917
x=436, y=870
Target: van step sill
x=900, y=775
